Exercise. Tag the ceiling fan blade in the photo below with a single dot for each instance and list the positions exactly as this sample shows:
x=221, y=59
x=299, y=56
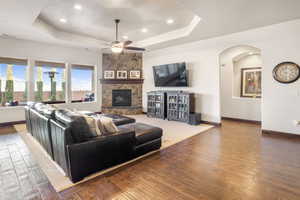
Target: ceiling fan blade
x=127, y=42
x=135, y=48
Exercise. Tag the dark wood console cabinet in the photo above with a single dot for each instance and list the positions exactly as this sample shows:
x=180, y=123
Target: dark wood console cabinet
x=171, y=105
x=156, y=101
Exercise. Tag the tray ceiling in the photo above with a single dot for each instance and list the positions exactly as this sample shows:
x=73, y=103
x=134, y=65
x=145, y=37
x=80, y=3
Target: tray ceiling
x=96, y=17
x=93, y=26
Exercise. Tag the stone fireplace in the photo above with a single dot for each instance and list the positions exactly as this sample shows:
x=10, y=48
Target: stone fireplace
x=122, y=96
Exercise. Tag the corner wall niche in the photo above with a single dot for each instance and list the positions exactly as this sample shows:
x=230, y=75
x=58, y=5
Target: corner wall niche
x=122, y=62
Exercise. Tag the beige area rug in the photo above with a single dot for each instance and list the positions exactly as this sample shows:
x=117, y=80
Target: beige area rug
x=173, y=132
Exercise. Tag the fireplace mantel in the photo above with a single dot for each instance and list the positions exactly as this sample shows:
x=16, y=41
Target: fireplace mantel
x=121, y=81
x=122, y=62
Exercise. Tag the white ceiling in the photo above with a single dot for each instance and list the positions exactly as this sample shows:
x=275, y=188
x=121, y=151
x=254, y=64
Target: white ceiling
x=38, y=20
x=97, y=17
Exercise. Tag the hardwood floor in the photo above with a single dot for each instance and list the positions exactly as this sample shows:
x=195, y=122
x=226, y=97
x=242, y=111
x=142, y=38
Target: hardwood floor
x=229, y=162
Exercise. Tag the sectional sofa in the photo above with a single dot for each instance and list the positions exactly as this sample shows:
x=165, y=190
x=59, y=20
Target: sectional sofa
x=64, y=138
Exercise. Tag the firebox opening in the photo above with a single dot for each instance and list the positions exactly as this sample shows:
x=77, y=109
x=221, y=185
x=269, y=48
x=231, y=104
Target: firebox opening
x=121, y=97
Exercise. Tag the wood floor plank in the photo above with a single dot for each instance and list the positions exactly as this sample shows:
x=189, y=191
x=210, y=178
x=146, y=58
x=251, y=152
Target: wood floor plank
x=234, y=161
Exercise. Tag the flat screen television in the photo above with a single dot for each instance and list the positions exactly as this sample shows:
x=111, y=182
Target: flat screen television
x=170, y=75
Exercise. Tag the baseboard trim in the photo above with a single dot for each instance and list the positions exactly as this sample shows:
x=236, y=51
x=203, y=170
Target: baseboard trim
x=12, y=123
x=279, y=133
x=242, y=120
x=204, y=122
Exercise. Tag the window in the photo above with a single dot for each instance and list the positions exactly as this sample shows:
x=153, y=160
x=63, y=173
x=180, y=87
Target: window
x=13, y=87
x=82, y=83
x=50, y=82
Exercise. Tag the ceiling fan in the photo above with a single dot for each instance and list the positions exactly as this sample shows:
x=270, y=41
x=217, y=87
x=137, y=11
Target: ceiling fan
x=118, y=47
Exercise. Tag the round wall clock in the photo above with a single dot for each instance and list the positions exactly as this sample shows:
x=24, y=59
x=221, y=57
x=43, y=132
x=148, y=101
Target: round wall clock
x=286, y=72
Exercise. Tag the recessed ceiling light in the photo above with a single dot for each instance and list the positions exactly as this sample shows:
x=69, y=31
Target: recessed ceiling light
x=63, y=20
x=170, y=21
x=125, y=37
x=78, y=7
x=144, y=30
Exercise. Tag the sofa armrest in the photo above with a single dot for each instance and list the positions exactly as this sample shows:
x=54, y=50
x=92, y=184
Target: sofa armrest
x=61, y=137
x=40, y=130
x=99, y=153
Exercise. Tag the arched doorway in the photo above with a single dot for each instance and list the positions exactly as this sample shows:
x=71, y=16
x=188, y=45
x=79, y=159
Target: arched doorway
x=240, y=83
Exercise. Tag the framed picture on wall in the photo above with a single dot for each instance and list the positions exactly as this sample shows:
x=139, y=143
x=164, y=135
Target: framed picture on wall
x=251, y=82
x=109, y=74
x=135, y=74
x=121, y=74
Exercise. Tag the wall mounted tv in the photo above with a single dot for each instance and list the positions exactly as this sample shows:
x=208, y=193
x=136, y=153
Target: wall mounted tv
x=170, y=75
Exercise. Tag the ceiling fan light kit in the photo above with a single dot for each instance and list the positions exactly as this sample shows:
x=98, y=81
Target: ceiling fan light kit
x=118, y=47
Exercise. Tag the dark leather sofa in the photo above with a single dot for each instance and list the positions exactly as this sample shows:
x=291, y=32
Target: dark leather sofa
x=80, y=157
x=38, y=124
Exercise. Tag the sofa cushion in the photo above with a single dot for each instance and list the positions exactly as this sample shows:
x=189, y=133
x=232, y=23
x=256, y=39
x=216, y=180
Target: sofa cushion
x=45, y=109
x=79, y=127
x=65, y=116
x=119, y=119
x=144, y=132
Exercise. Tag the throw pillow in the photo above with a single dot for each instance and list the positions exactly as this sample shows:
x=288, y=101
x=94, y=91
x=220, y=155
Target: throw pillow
x=100, y=127
x=106, y=125
x=93, y=124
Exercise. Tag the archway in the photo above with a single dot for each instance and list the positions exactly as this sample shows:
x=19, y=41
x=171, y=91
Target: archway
x=240, y=83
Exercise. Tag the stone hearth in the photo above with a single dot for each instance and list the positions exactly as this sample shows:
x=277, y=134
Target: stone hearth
x=115, y=62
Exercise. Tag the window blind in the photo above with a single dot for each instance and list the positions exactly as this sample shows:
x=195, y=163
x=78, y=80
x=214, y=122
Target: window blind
x=13, y=61
x=49, y=64
x=86, y=67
